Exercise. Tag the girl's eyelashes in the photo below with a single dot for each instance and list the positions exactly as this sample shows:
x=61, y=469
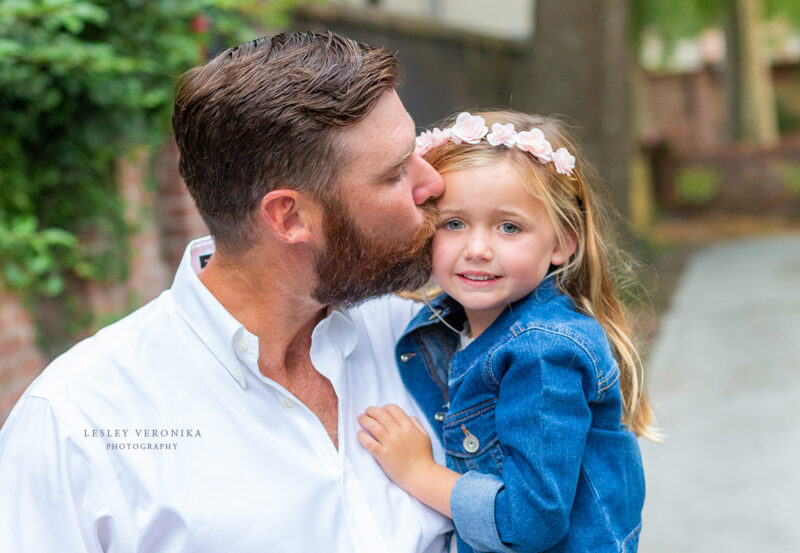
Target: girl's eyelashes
x=399, y=176
x=510, y=228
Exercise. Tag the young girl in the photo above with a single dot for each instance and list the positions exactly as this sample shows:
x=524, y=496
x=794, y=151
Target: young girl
x=524, y=364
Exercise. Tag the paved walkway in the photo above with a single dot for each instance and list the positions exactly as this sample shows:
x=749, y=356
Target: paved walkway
x=725, y=378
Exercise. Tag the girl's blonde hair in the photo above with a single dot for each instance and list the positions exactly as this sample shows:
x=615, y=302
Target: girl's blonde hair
x=573, y=210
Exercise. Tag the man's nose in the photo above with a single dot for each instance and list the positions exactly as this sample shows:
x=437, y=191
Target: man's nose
x=428, y=184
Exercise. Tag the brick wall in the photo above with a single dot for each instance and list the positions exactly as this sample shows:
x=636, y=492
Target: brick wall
x=20, y=359
x=688, y=110
x=165, y=219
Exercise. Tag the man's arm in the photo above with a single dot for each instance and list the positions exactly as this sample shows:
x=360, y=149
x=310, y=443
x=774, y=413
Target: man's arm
x=51, y=497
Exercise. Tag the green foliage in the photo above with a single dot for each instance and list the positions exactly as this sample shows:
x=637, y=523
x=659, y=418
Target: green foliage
x=32, y=257
x=687, y=18
x=790, y=175
x=677, y=18
x=82, y=82
x=696, y=186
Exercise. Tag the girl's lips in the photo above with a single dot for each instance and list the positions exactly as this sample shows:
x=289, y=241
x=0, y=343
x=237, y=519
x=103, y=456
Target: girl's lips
x=479, y=280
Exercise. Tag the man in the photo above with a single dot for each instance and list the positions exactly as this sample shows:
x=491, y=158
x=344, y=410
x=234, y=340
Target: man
x=222, y=415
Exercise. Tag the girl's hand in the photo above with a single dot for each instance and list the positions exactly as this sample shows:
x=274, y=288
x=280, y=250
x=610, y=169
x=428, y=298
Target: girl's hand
x=402, y=448
x=399, y=443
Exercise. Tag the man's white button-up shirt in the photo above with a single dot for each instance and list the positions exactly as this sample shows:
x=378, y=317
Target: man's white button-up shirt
x=159, y=434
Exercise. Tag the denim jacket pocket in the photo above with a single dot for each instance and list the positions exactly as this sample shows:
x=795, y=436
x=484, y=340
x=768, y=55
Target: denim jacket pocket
x=470, y=439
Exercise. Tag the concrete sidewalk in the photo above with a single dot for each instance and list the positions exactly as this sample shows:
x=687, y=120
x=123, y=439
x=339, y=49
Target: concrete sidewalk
x=725, y=378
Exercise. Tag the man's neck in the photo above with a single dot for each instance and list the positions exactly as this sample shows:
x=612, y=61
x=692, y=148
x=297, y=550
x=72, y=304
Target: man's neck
x=275, y=305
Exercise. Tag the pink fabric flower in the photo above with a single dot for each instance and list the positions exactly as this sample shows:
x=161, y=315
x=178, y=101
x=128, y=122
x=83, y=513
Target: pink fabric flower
x=431, y=139
x=469, y=128
x=564, y=161
x=534, y=142
x=502, y=134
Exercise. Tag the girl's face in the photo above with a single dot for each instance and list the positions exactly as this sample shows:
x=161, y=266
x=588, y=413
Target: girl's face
x=494, y=242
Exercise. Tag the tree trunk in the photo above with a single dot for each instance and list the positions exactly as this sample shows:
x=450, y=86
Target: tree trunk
x=580, y=68
x=751, y=98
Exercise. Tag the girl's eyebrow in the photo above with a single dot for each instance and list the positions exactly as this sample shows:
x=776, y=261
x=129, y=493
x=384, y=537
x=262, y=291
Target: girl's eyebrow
x=510, y=212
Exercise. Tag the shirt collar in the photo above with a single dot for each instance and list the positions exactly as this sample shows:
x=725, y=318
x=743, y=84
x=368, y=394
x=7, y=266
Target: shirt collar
x=226, y=338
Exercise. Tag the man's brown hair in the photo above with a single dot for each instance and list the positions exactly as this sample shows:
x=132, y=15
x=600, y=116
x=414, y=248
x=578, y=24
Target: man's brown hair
x=266, y=115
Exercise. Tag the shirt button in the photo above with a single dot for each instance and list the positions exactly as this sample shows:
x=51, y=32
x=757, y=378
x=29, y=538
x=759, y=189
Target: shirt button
x=471, y=444
x=237, y=374
x=287, y=401
x=242, y=344
x=404, y=357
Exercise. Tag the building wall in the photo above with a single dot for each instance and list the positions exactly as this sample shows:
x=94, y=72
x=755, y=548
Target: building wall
x=688, y=110
x=165, y=219
x=444, y=70
x=510, y=19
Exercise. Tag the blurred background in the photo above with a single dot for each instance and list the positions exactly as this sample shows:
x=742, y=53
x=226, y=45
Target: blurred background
x=689, y=110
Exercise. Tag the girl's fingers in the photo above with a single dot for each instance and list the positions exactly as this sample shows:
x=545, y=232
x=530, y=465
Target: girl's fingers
x=373, y=426
x=368, y=442
x=397, y=413
x=383, y=416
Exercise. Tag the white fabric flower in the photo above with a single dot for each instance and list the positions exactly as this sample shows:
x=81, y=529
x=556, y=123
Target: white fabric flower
x=469, y=128
x=504, y=135
x=534, y=142
x=564, y=161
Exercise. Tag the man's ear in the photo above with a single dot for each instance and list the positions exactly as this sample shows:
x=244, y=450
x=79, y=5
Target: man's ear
x=563, y=252
x=288, y=213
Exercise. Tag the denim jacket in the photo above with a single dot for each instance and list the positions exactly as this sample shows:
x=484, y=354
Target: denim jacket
x=530, y=414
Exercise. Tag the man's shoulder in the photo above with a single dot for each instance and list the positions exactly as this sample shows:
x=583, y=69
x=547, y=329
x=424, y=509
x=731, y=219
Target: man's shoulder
x=114, y=346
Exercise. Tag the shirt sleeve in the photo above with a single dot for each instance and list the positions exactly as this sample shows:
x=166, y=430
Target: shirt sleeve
x=542, y=418
x=51, y=497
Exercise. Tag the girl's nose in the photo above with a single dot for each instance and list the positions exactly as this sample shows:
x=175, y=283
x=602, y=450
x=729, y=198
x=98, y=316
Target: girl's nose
x=478, y=247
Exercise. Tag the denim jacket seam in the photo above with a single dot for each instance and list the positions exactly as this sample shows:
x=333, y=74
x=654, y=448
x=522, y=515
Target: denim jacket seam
x=608, y=382
x=474, y=411
x=630, y=535
x=488, y=370
x=596, y=495
x=488, y=374
x=599, y=376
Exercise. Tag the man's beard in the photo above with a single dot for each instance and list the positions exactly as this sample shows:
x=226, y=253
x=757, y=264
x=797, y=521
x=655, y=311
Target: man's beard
x=354, y=266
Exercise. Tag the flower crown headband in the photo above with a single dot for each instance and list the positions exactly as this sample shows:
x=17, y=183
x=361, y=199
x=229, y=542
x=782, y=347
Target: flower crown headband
x=472, y=129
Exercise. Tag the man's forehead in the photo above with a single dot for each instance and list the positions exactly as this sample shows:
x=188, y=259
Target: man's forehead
x=388, y=129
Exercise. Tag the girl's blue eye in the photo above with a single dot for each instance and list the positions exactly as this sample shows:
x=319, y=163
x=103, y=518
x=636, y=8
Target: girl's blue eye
x=509, y=228
x=453, y=224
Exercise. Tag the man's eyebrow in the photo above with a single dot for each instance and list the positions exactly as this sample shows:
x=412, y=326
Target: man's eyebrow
x=401, y=160
x=406, y=155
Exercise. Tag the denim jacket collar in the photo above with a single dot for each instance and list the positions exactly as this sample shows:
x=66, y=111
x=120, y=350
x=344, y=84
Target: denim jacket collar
x=444, y=305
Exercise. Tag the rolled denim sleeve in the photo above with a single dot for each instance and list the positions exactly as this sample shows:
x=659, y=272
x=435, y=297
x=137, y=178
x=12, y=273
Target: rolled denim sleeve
x=472, y=506
x=546, y=382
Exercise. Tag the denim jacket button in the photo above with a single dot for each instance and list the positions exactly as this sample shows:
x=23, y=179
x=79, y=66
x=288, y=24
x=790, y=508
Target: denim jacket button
x=438, y=417
x=404, y=357
x=471, y=444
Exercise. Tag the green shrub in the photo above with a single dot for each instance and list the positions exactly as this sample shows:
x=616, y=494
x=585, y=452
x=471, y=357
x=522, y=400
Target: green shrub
x=790, y=175
x=696, y=185
x=82, y=83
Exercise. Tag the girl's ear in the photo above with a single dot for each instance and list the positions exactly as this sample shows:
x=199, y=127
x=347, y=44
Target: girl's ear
x=288, y=213
x=563, y=252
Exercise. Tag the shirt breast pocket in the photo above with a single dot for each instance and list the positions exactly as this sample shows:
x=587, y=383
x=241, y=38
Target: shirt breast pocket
x=470, y=440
